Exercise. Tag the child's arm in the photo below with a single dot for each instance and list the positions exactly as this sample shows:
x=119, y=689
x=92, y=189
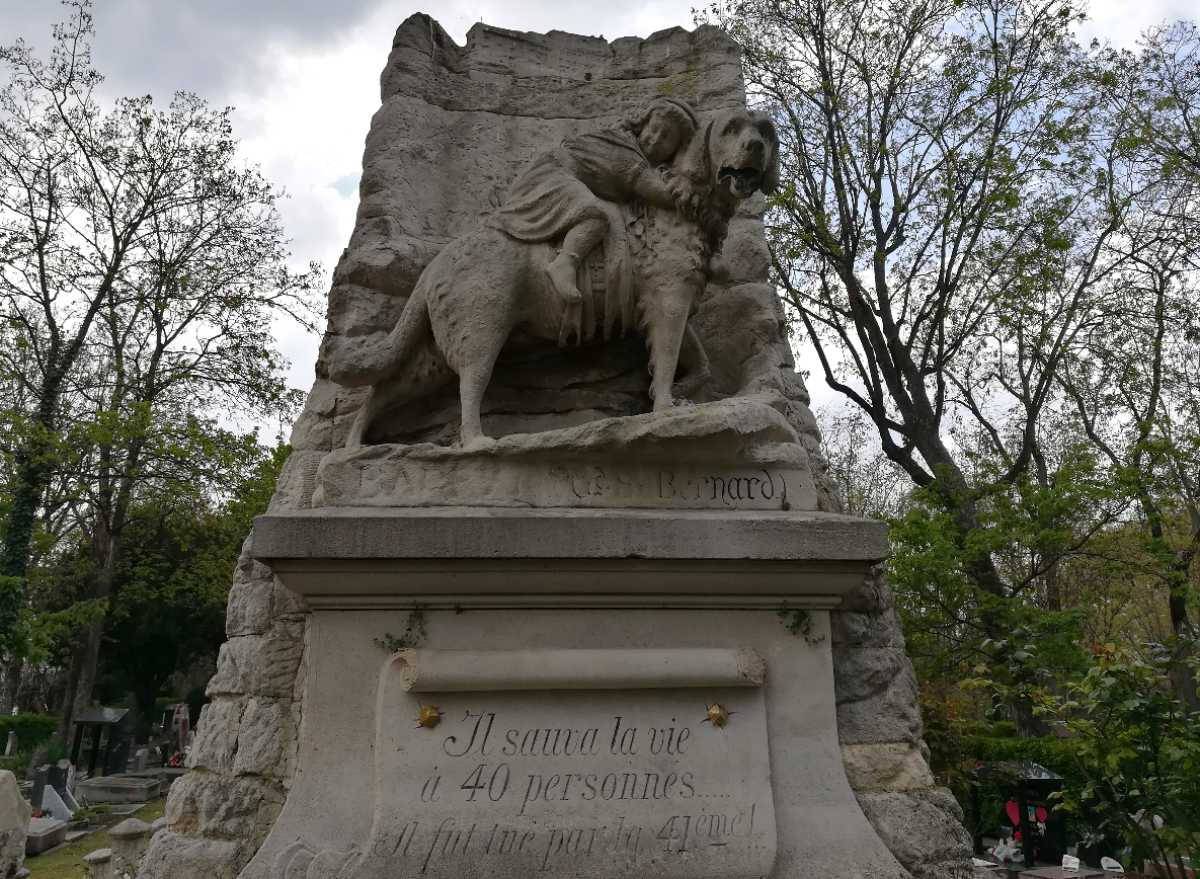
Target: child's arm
x=654, y=187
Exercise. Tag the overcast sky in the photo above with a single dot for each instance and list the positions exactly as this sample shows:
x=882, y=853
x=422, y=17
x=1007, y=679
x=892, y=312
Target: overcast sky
x=303, y=76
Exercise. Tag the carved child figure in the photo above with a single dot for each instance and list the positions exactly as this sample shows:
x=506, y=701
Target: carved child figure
x=558, y=195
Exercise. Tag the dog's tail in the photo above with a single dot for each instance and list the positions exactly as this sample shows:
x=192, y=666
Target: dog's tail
x=356, y=362
x=413, y=326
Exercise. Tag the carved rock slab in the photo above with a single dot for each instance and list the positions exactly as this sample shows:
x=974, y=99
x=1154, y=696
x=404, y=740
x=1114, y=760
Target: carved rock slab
x=732, y=454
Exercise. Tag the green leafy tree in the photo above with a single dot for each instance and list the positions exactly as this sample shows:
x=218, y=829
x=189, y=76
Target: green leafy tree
x=1135, y=382
x=1138, y=747
x=959, y=219
x=173, y=578
x=143, y=267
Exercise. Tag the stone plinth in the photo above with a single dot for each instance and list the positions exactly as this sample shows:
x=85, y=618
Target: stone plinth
x=584, y=693
x=119, y=789
x=44, y=834
x=736, y=454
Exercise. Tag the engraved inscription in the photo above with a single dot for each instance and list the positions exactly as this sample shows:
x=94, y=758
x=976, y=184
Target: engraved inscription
x=572, y=784
x=759, y=489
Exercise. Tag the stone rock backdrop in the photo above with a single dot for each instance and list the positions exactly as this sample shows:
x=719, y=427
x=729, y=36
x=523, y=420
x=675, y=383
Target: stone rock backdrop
x=455, y=126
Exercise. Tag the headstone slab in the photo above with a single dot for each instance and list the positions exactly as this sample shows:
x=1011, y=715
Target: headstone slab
x=119, y=789
x=44, y=834
x=563, y=725
x=53, y=804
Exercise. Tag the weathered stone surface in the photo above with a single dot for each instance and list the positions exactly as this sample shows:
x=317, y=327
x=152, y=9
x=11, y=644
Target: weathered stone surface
x=558, y=74
x=296, y=483
x=865, y=672
x=923, y=829
x=328, y=820
x=14, y=819
x=179, y=855
x=209, y=804
x=648, y=785
x=857, y=629
x=449, y=109
x=256, y=599
x=216, y=744
x=130, y=840
x=886, y=767
x=265, y=738
x=99, y=863
x=451, y=534
x=875, y=596
x=888, y=715
x=260, y=665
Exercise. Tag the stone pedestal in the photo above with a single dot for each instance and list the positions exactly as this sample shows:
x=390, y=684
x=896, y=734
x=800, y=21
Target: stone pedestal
x=569, y=693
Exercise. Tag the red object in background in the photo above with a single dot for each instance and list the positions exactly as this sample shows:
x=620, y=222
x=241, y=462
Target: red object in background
x=1042, y=814
x=1013, y=812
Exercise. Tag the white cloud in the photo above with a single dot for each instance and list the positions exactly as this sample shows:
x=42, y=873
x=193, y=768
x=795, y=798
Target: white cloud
x=1120, y=22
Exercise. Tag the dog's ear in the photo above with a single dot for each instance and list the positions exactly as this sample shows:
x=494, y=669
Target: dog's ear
x=766, y=127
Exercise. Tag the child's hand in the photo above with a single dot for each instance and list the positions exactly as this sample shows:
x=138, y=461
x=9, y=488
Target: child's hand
x=654, y=188
x=678, y=188
x=687, y=200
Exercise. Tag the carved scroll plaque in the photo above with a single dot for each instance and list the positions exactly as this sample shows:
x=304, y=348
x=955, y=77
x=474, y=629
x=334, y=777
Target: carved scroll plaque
x=527, y=778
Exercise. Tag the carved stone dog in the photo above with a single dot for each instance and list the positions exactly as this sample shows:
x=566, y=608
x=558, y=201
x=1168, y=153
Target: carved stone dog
x=484, y=285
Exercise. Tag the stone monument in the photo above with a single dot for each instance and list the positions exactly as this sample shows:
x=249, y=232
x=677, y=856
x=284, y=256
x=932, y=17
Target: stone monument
x=14, y=824
x=553, y=583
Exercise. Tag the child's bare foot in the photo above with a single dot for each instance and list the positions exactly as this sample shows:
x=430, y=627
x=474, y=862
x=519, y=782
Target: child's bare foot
x=563, y=272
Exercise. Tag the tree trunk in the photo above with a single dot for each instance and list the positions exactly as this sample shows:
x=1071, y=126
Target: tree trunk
x=33, y=472
x=12, y=685
x=88, y=661
x=1182, y=677
x=66, y=719
x=1183, y=680
x=145, y=698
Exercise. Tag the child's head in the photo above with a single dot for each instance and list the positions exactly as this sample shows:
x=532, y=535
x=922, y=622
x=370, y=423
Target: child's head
x=663, y=127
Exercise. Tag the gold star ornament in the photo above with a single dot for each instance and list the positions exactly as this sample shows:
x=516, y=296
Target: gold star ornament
x=717, y=714
x=429, y=716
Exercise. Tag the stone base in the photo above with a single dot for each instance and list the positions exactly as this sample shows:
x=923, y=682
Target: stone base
x=119, y=789
x=430, y=763
x=736, y=454
x=44, y=834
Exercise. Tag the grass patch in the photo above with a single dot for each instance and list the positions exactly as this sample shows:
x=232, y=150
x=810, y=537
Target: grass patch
x=66, y=862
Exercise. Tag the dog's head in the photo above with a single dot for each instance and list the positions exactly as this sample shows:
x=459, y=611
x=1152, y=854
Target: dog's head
x=737, y=154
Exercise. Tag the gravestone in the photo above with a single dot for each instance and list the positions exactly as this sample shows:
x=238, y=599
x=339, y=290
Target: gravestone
x=52, y=804
x=44, y=834
x=119, y=789
x=518, y=607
